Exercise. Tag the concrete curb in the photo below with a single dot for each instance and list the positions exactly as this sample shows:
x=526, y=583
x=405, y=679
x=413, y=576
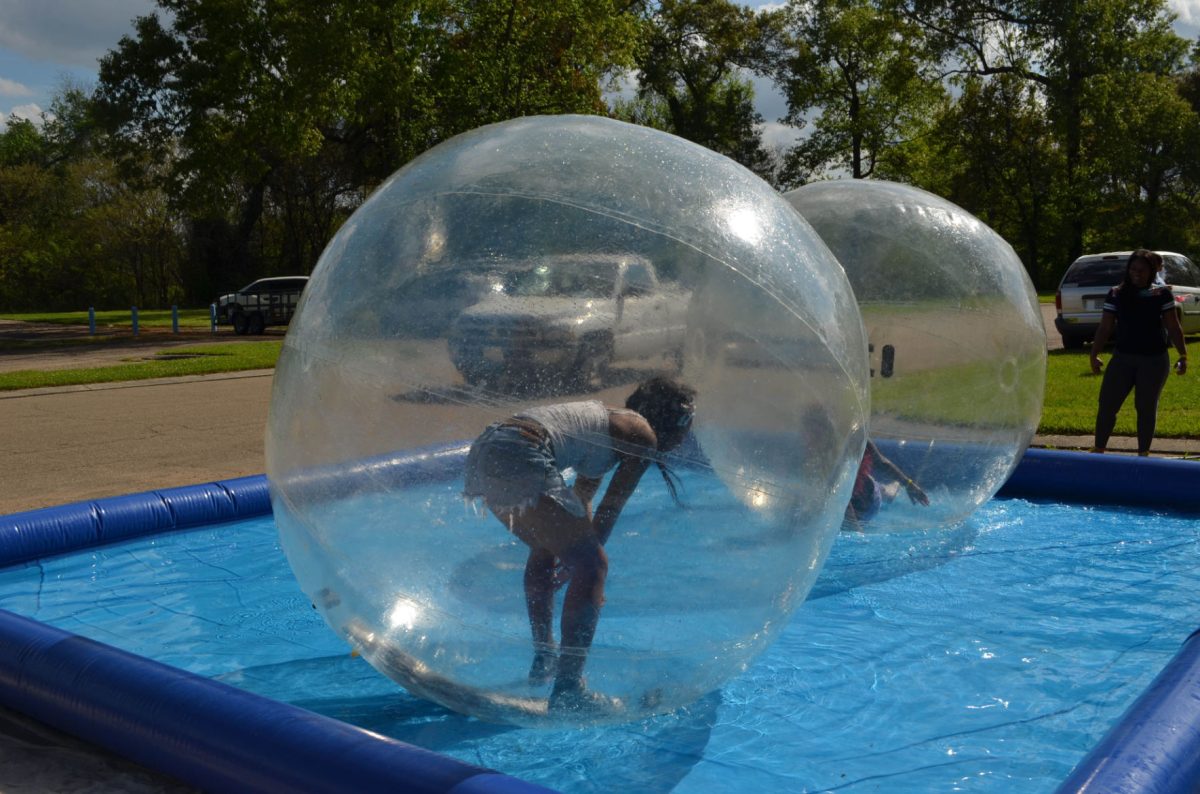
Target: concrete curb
x=1184, y=448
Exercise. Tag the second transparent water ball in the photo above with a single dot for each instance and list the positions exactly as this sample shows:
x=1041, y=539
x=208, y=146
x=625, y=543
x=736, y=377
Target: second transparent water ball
x=958, y=348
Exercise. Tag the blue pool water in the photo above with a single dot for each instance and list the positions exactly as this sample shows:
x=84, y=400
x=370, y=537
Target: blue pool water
x=989, y=657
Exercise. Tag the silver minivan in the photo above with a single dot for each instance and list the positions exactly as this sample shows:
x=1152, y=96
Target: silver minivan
x=1080, y=296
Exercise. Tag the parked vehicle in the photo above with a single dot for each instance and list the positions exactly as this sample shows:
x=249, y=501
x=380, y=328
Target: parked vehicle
x=1080, y=296
x=426, y=306
x=569, y=318
x=268, y=301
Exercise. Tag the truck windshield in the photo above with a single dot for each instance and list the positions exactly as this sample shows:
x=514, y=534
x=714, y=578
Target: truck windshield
x=568, y=279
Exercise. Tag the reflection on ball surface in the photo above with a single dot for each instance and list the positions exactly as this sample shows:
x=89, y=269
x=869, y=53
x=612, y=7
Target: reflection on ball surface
x=958, y=349
x=548, y=260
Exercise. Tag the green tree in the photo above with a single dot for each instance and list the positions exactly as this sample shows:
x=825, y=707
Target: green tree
x=993, y=152
x=227, y=96
x=69, y=127
x=1145, y=140
x=1063, y=46
x=861, y=76
x=21, y=143
x=73, y=233
x=276, y=117
x=47, y=259
x=501, y=59
x=135, y=237
x=29, y=234
x=693, y=77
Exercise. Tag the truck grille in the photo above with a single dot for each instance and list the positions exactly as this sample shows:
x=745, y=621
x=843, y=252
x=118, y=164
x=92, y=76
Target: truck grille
x=509, y=334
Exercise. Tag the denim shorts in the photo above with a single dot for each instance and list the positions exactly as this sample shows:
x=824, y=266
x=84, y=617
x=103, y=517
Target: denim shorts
x=511, y=471
x=867, y=503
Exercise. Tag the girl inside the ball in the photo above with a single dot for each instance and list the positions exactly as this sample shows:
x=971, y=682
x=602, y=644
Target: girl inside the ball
x=516, y=466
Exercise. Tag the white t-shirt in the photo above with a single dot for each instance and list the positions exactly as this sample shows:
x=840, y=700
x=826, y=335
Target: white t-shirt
x=579, y=435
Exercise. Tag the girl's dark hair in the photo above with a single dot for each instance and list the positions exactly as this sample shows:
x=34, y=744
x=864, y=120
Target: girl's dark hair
x=667, y=405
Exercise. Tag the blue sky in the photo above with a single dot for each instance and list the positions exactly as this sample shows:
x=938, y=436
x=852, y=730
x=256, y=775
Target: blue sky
x=46, y=43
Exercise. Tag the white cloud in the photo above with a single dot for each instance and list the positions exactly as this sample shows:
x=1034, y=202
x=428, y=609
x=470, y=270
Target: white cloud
x=70, y=32
x=30, y=112
x=781, y=136
x=13, y=88
x=1188, y=10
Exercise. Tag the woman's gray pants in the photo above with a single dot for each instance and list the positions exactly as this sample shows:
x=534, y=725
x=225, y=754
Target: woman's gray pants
x=1145, y=375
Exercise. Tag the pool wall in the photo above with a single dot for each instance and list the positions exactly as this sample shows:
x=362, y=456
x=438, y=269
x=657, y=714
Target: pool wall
x=210, y=735
x=1084, y=478
x=58, y=530
x=218, y=737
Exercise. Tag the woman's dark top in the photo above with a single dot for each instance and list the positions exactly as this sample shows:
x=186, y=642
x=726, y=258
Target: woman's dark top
x=1139, y=318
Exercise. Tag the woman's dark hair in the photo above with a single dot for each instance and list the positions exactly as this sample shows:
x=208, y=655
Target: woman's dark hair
x=1150, y=258
x=667, y=405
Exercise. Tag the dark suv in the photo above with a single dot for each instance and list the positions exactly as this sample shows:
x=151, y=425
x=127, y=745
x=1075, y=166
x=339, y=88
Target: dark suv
x=1080, y=296
x=268, y=301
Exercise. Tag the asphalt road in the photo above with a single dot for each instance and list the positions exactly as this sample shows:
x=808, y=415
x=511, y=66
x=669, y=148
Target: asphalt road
x=73, y=443
x=84, y=442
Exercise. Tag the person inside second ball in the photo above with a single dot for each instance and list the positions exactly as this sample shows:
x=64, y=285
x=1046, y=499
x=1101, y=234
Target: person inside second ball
x=878, y=480
x=516, y=466
x=1144, y=317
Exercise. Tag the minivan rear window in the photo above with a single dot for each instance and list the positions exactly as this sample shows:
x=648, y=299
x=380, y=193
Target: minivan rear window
x=1179, y=272
x=1096, y=273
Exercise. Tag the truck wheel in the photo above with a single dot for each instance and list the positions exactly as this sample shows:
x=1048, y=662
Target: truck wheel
x=239, y=324
x=473, y=377
x=1072, y=342
x=676, y=359
x=255, y=324
x=592, y=365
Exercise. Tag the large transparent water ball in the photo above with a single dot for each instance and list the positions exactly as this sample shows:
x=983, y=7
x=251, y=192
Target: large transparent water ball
x=957, y=345
x=548, y=260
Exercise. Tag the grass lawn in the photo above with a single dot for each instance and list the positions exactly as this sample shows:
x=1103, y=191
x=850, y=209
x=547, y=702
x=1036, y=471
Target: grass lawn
x=1072, y=392
x=176, y=361
x=122, y=318
x=1069, y=406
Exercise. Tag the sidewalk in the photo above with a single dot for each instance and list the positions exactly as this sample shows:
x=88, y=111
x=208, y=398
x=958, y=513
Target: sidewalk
x=1183, y=448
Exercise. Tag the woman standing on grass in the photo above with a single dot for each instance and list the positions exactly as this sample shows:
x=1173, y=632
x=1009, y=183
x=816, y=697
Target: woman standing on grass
x=1144, y=316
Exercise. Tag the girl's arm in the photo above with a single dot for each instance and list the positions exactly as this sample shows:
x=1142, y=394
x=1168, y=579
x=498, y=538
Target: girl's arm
x=629, y=472
x=636, y=446
x=585, y=489
x=914, y=491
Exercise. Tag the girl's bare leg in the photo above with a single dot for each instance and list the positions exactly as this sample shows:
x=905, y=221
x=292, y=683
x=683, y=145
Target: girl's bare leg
x=581, y=614
x=552, y=532
x=539, y=603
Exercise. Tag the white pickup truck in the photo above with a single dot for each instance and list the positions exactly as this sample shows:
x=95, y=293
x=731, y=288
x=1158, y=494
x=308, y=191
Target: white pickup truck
x=567, y=319
x=268, y=301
